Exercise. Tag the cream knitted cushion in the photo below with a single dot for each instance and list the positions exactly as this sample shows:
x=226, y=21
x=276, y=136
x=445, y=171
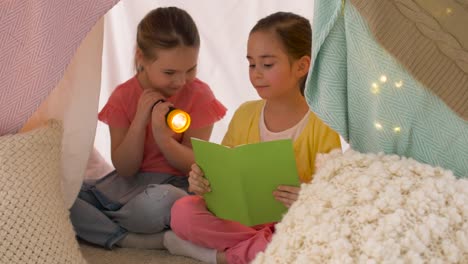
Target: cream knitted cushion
x=34, y=222
x=368, y=208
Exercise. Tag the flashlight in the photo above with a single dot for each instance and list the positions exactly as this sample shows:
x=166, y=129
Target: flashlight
x=176, y=119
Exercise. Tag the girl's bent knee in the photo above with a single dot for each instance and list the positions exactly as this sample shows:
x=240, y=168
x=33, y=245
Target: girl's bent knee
x=164, y=193
x=185, y=211
x=150, y=211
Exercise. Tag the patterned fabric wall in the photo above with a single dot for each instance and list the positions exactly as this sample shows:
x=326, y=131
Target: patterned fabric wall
x=37, y=41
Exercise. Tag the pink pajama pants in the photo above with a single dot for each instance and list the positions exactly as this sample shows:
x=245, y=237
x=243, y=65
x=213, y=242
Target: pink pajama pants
x=192, y=221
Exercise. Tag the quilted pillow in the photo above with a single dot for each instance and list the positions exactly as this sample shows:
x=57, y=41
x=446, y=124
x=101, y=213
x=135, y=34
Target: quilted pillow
x=34, y=222
x=374, y=208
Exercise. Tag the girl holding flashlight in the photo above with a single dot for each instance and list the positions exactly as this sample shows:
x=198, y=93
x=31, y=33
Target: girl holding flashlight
x=131, y=206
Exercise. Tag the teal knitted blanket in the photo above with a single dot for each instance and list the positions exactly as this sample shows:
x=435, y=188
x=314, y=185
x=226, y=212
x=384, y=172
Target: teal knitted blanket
x=367, y=96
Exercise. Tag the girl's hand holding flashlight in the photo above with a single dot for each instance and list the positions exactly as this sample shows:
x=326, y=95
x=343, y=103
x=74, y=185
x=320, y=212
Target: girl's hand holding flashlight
x=158, y=118
x=177, y=120
x=145, y=106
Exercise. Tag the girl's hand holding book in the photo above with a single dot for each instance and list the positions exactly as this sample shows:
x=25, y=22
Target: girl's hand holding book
x=287, y=195
x=198, y=184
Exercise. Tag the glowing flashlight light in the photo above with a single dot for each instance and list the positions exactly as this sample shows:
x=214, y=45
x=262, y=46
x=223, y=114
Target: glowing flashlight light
x=177, y=120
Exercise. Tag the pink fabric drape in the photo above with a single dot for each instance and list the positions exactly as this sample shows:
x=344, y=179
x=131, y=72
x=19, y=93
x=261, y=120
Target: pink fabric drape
x=38, y=38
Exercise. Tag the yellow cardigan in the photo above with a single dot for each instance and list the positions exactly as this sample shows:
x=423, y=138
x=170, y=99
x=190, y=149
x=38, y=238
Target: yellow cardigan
x=315, y=138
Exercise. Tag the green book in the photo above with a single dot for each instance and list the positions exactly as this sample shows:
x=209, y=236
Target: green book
x=243, y=178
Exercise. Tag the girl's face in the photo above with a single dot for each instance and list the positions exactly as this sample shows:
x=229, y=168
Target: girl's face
x=270, y=70
x=172, y=69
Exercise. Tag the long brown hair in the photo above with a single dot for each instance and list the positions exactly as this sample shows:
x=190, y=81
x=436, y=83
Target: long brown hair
x=293, y=31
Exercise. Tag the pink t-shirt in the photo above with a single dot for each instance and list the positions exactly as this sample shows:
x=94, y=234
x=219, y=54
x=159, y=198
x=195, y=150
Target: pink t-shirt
x=196, y=98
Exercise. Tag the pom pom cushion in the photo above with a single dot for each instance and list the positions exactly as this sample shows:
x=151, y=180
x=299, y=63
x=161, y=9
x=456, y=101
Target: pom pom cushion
x=374, y=208
x=34, y=222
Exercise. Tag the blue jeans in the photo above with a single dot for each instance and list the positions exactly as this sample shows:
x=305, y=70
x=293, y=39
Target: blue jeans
x=105, y=211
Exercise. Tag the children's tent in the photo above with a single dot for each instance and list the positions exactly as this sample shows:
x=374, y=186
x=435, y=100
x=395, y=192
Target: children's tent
x=389, y=76
x=62, y=59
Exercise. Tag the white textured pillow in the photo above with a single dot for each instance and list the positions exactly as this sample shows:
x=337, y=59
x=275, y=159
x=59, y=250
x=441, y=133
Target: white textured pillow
x=374, y=208
x=34, y=222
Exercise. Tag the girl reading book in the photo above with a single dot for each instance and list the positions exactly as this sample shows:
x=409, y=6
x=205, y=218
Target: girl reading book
x=278, y=53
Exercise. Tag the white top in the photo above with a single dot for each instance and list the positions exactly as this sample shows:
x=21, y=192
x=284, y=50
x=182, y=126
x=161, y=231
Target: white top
x=290, y=133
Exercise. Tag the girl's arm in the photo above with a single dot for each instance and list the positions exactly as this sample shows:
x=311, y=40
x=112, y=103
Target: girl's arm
x=127, y=145
x=180, y=155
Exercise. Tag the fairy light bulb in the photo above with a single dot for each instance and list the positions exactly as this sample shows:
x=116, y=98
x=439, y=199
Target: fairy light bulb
x=378, y=126
x=383, y=78
x=375, y=89
x=399, y=84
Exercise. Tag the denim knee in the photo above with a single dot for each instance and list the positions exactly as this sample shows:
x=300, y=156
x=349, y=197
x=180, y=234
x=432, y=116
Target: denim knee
x=92, y=225
x=150, y=211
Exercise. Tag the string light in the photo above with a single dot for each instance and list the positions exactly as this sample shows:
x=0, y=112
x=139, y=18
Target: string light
x=397, y=129
x=378, y=126
x=383, y=78
x=399, y=84
x=375, y=88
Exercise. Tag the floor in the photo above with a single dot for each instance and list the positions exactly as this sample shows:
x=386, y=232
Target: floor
x=98, y=255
